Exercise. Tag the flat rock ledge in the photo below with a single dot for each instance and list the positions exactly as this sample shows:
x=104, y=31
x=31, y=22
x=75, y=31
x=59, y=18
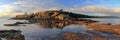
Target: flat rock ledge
x=105, y=27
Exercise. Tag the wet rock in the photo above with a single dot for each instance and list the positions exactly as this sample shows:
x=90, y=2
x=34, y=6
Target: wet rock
x=92, y=33
x=10, y=24
x=16, y=24
x=84, y=36
x=20, y=23
x=15, y=37
x=100, y=38
x=104, y=28
x=106, y=24
x=72, y=36
x=11, y=34
x=76, y=36
x=23, y=25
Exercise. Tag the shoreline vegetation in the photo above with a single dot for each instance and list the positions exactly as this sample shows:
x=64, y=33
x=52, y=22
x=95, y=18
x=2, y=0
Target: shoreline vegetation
x=60, y=18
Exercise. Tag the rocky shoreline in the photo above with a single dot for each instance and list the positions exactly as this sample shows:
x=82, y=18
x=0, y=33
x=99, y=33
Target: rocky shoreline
x=58, y=19
x=57, y=16
x=11, y=35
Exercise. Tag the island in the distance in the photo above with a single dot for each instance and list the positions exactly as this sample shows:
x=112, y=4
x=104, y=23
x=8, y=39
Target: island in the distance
x=56, y=15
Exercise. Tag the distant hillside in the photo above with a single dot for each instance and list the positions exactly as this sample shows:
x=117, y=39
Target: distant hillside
x=54, y=14
x=74, y=15
x=111, y=17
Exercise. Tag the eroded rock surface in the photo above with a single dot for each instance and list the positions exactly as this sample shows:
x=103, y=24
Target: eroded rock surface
x=115, y=29
x=85, y=36
x=11, y=35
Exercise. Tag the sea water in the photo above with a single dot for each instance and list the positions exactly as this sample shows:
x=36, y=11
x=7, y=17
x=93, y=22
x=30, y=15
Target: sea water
x=35, y=32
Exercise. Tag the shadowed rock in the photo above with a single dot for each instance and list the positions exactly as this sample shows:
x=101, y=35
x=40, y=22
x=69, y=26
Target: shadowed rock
x=11, y=34
x=16, y=23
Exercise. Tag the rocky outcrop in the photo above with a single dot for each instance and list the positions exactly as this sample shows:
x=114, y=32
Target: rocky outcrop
x=16, y=23
x=53, y=14
x=11, y=35
x=82, y=36
x=44, y=15
x=85, y=36
x=73, y=36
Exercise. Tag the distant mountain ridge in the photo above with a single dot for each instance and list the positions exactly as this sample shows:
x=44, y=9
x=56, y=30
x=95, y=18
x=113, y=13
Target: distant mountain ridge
x=111, y=17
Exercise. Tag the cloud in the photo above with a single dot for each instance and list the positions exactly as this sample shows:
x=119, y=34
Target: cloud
x=29, y=6
x=32, y=5
x=94, y=9
x=10, y=10
x=117, y=10
x=22, y=6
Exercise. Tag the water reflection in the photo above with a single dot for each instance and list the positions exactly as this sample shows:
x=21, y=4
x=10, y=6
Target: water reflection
x=68, y=32
x=53, y=24
x=11, y=35
x=87, y=34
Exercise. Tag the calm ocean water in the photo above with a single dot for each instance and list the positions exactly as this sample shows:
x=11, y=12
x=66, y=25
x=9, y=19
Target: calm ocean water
x=37, y=32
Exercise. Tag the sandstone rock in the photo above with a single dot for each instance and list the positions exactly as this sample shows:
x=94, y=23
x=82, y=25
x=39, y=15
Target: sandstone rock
x=100, y=38
x=84, y=36
x=75, y=36
x=105, y=28
x=53, y=14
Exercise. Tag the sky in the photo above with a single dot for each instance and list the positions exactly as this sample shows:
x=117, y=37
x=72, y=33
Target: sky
x=88, y=7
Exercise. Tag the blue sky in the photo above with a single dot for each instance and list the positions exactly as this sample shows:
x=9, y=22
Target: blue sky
x=106, y=3
x=71, y=3
x=4, y=2
x=90, y=7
